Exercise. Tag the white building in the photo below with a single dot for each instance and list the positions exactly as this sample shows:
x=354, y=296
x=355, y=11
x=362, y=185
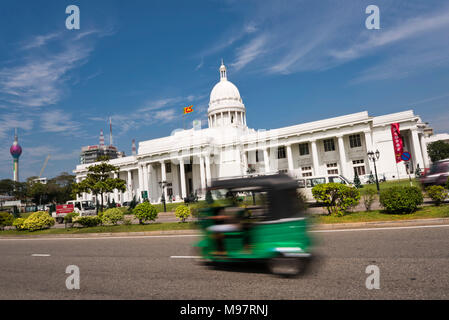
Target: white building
x=189, y=159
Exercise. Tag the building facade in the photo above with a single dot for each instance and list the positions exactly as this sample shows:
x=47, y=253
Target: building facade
x=188, y=160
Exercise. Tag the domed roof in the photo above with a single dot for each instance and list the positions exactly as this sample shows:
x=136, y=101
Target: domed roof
x=225, y=94
x=224, y=90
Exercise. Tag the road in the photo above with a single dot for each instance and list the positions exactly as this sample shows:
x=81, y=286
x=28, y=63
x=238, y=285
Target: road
x=413, y=264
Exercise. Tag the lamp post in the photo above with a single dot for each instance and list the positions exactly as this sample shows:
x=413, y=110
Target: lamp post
x=373, y=156
x=162, y=185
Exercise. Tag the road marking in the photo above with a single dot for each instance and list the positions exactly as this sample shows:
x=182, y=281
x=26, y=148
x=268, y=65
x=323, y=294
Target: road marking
x=40, y=255
x=185, y=257
x=197, y=235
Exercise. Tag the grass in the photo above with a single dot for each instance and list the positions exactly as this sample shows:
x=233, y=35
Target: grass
x=102, y=229
x=379, y=215
x=389, y=184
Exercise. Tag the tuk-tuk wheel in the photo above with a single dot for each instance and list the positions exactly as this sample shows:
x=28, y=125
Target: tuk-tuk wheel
x=286, y=266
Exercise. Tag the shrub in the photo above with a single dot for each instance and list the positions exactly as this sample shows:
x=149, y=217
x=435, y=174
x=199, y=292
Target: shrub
x=368, y=198
x=437, y=193
x=336, y=197
x=182, y=212
x=357, y=182
x=87, y=221
x=18, y=223
x=400, y=200
x=68, y=218
x=6, y=219
x=145, y=211
x=38, y=220
x=113, y=216
x=447, y=183
x=127, y=221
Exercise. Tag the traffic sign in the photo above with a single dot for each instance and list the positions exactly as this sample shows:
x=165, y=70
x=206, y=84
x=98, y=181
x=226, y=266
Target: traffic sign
x=406, y=156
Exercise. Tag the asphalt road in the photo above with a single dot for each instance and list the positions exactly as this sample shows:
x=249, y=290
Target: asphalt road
x=413, y=264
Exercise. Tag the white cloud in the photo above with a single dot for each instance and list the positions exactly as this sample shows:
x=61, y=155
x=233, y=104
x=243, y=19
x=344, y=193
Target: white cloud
x=249, y=52
x=58, y=121
x=10, y=121
x=40, y=40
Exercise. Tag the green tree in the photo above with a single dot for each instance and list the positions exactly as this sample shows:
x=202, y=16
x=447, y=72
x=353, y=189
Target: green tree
x=357, y=182
x=438, y=150
x=99, y=182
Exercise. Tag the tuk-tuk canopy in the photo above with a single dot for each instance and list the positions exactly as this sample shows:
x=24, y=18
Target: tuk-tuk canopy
x=283, y=201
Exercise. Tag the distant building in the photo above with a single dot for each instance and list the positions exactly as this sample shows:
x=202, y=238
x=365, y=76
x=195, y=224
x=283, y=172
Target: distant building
x=90, y=154
x=40, y=180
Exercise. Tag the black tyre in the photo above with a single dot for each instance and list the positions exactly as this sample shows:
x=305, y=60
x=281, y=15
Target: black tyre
x=287, y=266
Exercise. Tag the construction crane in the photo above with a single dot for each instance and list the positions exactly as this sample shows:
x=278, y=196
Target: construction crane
x=43, y=167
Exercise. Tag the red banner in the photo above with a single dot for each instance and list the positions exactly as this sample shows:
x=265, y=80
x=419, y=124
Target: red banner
x=64, y=208
x=397, y=141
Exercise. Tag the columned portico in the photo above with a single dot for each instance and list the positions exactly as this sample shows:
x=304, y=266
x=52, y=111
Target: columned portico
x=369, y=147
x=145, y=177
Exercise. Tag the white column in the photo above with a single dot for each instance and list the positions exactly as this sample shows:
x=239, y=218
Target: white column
x=130, y=185
x=183, y=178
x=417, y=149
x=115, y=190
x=342, y=152
x=140, y=175
x=208, y=175
x=149, y=182
x=241, y=118
x=266, y=160
x=164, y=178
x=316, y=166
x=145, y=178
x=202, y=174
x=229, y=117
x=424, y=152
x=290, y=157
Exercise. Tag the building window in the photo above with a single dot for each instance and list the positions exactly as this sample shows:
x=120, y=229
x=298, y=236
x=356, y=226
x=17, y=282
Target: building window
x=303, y=149
x=306, y=171
x=355, y=141
x=282, y=171
x=259, y=156
x=359, y=167
x=329, y=145
x=281, y=152
x=168, y=167
x=332, y=168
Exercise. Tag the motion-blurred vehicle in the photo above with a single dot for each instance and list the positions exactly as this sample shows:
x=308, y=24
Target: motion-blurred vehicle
x=437, y=174
x=305, y=185
x=256, y=219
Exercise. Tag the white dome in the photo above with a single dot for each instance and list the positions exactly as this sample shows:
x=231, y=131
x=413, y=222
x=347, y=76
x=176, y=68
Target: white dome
x=225, y=90
x=226, y=108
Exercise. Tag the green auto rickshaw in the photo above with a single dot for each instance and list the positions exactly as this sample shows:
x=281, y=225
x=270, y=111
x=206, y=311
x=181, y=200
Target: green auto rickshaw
x=256, y=218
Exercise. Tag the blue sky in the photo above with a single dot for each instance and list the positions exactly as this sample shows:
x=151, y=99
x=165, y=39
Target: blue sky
x=141, y=62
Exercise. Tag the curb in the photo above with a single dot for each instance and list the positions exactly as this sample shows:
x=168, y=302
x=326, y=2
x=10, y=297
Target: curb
x=187, y=232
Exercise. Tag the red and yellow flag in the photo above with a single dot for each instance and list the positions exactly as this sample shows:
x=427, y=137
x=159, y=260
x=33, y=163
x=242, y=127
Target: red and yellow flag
x=188, y=109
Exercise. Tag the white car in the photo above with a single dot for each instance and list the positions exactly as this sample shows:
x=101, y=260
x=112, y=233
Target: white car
x=306, y=184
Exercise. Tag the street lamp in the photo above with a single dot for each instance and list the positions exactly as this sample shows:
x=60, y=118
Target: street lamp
x=373, y=156
x=162, y=184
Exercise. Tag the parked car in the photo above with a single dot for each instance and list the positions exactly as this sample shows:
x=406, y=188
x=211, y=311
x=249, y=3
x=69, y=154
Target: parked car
x=306, y=184
x=437, y=174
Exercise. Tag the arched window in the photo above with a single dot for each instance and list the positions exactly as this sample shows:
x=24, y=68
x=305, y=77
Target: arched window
x=232, y=119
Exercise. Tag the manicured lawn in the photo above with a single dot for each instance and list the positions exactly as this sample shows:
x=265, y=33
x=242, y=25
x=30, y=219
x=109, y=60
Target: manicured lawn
x=100, y=229
x=379, y=215
x=389, y=184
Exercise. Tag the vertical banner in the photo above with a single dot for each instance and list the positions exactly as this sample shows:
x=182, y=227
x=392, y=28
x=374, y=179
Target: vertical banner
x=397, y=141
